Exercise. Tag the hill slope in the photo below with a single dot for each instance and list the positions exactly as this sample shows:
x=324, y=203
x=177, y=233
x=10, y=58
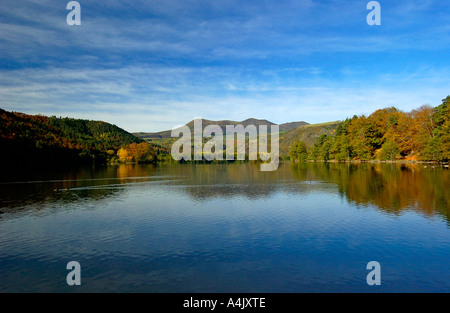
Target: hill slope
x=26, y=138
x=306, y=133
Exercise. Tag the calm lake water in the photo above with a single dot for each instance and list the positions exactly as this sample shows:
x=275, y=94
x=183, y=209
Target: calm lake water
x=227, y=228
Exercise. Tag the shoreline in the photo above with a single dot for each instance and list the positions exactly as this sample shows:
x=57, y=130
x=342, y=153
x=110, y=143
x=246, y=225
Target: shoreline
x=444, y=164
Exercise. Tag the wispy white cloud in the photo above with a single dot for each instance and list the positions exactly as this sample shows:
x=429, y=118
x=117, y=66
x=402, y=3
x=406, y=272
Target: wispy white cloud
x=147, y=66
x=211, y=29
x=157, y=98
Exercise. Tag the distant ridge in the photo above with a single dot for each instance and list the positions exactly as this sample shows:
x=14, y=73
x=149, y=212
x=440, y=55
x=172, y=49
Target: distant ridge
x=306, y=133
x=222, y=124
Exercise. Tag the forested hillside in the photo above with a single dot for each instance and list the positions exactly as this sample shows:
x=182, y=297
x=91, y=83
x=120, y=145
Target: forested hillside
x=387, y=134
x=37, y=138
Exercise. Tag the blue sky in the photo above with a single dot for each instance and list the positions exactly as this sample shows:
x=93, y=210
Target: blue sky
x=151, y=65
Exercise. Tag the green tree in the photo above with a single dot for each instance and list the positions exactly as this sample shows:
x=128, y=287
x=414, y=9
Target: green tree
x=299, y=151
x=389, y=151
x=432, y=150
x=438, y=148
x=321, y=149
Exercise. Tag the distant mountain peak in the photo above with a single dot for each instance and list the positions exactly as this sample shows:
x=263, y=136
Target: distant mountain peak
x=222, y=124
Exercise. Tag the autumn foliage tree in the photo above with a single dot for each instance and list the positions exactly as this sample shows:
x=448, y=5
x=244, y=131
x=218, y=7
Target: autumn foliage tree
x=388, y=134
x=142, y=152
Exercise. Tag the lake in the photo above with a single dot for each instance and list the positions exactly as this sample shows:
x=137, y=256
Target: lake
x=226, y=228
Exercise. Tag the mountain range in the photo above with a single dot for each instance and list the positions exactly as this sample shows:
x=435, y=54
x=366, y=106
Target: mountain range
x=222, y=124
